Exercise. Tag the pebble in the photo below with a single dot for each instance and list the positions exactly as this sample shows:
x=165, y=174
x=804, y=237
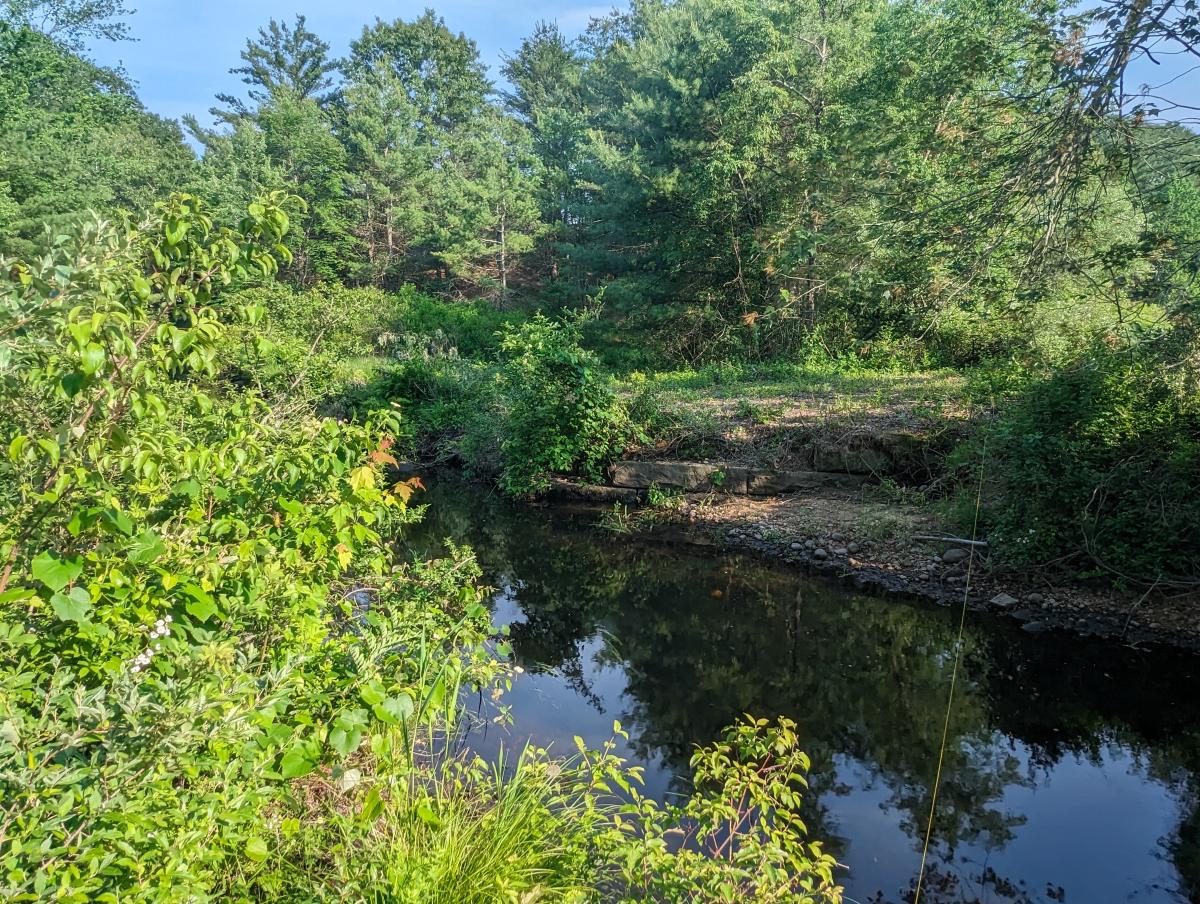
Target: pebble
x=810, y=544
x=836, y=536
x=1003, y=601
x=1033, y=627
x=853, y=548
x=840, y=551
x=819, y=553
x=795, y=546
x=955, y=555
x=1034, y=598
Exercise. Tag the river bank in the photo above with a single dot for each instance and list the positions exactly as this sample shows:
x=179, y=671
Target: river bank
x=874, y=545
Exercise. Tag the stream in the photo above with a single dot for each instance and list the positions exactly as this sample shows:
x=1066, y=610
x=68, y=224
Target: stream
x=1073, y=768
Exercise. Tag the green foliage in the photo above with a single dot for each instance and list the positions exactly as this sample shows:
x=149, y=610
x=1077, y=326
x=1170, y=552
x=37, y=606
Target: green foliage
x=738, y=838
x=75, y=138
x=1098, y=464
x=562, y=415
x=442, y=183
x=198, y=604
x=285, y=61
x=216, y=682
x=70, y=22
x=352, y=348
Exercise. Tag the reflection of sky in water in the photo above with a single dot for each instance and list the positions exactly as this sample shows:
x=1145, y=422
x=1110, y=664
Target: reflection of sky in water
x=1091, y=828
x=1073, y=762
x=1098, y=822
x=548, y=711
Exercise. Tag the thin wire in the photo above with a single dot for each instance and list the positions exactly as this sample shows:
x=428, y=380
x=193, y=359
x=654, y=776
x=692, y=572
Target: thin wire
x=958, y=645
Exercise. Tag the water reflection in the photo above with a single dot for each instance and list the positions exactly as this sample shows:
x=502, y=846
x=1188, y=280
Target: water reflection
x=1072, y=769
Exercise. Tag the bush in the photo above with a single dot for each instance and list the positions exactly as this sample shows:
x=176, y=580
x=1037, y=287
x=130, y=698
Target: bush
x=563, y=415
x=1100, y=465
x=181, y=606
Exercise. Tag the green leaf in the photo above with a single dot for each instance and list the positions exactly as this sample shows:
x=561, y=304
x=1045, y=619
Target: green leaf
x=117, y=521
x=146, y=548
x=189, y=488
x=74, y=606
x=54, y=572
x=175, y=230
x=372, y=806
x=51, y=448
x=425, y=812
x=257, y=850
x=372, y=692
x=394, y=710
x=297, y=761
x=17, y=447
x=201, y=609
x=344, y=741
x=91, y=359
x=203, y=606
x=73, y=383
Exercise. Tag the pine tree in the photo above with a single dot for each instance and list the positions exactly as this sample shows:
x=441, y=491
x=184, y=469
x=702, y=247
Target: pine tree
x=284, y=60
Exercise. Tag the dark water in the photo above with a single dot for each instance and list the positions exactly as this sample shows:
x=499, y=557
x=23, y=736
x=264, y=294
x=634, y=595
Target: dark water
x=1073, y=770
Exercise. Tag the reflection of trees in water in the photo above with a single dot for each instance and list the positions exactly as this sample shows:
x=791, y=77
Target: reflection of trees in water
x=704, y=640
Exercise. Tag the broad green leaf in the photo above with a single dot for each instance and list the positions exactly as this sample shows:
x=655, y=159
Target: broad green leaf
x=91, y=359
x=147, y=546
x=344, y=741
x=74, y=606
x=297, y=761
x=257, y=850
x=117, y=521
x=54, y=572
x=394, y=710
x=201, y=609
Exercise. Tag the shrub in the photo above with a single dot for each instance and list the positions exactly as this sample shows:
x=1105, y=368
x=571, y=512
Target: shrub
x=183, y=599
x=1100, y=465
x=563, y=415
x=738, y=837
x=329, y=344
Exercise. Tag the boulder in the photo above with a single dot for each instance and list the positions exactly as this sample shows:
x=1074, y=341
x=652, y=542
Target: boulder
x=771, y=483
x=846, y=460
x=1003, y=601
x=681, y=475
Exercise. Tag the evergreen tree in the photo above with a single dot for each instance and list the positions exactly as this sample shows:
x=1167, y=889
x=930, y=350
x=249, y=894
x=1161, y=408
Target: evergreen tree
x=546, y=74
x=285, y=60
x=445, y=183
x=439, y=71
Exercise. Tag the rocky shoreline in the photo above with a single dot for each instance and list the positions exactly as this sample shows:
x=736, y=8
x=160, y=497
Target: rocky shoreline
x=831, y=534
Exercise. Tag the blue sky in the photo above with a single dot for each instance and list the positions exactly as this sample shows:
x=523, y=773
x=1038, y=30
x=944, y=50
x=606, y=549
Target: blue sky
x=184, y=50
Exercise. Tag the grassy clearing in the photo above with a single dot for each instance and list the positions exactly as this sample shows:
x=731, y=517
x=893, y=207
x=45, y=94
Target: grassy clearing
x=757, y=413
